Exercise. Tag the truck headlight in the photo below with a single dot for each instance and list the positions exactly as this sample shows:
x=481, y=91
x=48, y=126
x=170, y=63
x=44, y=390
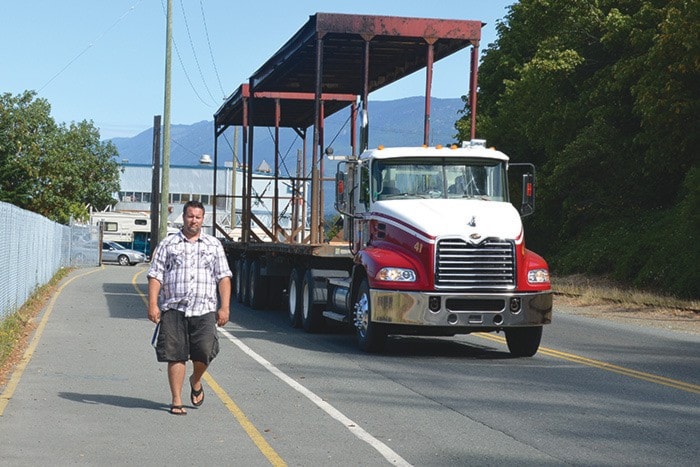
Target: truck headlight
x=396, y=275
x=538, y=276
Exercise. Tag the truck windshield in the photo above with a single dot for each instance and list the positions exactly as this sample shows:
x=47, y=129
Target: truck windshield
x=438, y=178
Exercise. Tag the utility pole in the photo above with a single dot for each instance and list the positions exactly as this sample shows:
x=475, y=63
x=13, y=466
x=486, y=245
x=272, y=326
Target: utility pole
x=155, y=186
x=165, y=187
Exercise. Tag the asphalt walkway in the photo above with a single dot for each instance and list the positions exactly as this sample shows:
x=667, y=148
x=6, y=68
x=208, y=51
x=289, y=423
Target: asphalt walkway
x=90, y=390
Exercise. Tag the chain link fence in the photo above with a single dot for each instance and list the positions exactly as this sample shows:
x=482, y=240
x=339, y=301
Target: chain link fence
x=34, y=249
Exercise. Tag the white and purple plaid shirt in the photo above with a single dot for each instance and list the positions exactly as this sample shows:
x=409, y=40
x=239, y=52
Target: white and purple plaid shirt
x=189, y=273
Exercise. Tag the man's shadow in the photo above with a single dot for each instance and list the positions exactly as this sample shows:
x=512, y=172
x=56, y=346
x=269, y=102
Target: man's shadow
x=117, y=401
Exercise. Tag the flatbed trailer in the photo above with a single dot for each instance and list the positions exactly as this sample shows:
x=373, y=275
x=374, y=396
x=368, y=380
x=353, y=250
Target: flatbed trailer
x=391, y=272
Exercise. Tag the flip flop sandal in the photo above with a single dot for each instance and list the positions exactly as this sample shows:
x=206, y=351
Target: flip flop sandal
x=194, y=394
x=177, y=410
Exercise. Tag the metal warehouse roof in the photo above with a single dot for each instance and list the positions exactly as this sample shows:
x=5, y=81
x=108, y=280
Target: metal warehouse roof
x=397, y=47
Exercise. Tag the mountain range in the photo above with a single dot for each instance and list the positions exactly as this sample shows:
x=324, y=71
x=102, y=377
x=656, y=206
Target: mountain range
x=391, y=123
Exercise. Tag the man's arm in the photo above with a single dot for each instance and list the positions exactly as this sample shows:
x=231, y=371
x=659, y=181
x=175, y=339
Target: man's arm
x=225, y=297
x=153, y=291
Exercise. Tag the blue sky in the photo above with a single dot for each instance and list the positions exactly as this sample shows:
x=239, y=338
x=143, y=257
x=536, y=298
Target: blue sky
x=104, y=61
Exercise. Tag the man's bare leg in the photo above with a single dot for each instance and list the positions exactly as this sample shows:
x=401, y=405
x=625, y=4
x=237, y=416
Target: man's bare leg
x=196, y=379
x=176, y=378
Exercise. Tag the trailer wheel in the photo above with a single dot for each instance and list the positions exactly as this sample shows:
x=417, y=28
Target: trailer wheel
x=238, y=283
x=311, y=315
x=524, y=342
x=371, y=337
x=245, y=279
x=256, y=287
x=294, y=301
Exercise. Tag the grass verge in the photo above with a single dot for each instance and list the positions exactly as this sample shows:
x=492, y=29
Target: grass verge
x=16, y=329
x=597, y=291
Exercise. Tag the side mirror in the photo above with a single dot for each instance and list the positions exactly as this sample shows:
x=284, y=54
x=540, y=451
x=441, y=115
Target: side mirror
x=341, y=198
x=528, y=200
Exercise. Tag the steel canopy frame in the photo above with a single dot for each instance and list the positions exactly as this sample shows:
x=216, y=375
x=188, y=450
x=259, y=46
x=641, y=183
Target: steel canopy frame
x=323, y=68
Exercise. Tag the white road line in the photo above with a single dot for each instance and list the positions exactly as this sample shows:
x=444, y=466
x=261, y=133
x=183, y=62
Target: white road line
x=388, y=453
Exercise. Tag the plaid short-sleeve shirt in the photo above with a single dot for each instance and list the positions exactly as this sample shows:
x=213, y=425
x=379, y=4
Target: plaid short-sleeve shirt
x=189, y=273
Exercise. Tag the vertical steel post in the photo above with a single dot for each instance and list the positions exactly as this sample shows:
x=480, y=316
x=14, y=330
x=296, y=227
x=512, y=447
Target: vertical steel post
x=275, y=200
x=364, y=124
x=317, y=150
x=249, y=165
x=303, y=193
x=296, y=200
x=233, y=178
x=321, y=164
x=353, y=129
x=429, y=58
x=244, y=181
x=472, y=88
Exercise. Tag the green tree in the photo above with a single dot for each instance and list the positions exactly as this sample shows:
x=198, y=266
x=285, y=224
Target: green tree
x=604, y=97
x=55, y=170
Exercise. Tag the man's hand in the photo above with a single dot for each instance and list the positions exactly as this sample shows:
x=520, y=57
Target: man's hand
x=154, y=313
x=153, y=291
x=222, y=316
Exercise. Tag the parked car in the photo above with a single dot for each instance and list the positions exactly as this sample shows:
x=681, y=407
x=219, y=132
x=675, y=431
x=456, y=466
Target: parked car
x=114, y=252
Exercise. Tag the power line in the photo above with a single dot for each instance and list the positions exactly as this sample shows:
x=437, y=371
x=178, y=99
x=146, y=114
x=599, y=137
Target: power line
x=194, y=52
x=182, y=65
x=90, y=45
x=211, y=54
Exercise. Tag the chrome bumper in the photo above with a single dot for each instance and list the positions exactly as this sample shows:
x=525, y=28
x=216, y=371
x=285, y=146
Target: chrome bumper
x=479, y=310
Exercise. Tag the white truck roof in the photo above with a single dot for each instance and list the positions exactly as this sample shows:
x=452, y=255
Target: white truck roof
x=474, y=151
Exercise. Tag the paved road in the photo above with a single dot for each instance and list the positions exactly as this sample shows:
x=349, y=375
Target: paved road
x=92, y=393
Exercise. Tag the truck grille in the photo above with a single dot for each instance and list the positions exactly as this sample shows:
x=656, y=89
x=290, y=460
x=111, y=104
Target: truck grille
x=463, y=266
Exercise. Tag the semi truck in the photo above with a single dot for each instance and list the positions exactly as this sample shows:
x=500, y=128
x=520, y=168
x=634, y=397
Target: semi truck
x=429, y=243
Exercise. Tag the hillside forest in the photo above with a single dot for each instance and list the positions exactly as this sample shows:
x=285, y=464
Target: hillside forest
x=604, y=97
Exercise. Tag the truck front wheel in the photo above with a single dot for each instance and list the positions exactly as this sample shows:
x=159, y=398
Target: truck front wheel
x=524, y=342
x=371, y=337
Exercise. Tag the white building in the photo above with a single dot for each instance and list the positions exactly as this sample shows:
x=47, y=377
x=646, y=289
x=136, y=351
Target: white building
x=197, y=183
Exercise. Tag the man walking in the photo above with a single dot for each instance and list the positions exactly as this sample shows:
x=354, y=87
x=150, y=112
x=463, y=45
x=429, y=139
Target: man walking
x=187, y=270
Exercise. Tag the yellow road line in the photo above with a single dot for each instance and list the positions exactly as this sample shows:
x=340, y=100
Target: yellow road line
x=253, y=433
x=22, y=365
x=656, y=379
x=249, y=428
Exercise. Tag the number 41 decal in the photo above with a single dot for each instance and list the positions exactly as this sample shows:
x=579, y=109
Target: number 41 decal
x=418, y=247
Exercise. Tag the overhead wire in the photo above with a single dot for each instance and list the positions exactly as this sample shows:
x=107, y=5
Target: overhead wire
x=89, y=46
x=211, y=53
x=194, y=52
x=182, y=64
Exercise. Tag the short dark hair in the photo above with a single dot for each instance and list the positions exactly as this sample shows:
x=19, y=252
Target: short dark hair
x=192, y=204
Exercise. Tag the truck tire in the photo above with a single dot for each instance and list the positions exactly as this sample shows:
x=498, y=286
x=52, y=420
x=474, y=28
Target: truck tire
x=294, y=299
x=245, y=279
x=238, y=282
x=524, y=342
x=257, y=285
x=312, y=319
x=371, y=337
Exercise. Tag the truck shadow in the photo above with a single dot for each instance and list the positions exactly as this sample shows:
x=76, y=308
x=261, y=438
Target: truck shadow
x=273, y=325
